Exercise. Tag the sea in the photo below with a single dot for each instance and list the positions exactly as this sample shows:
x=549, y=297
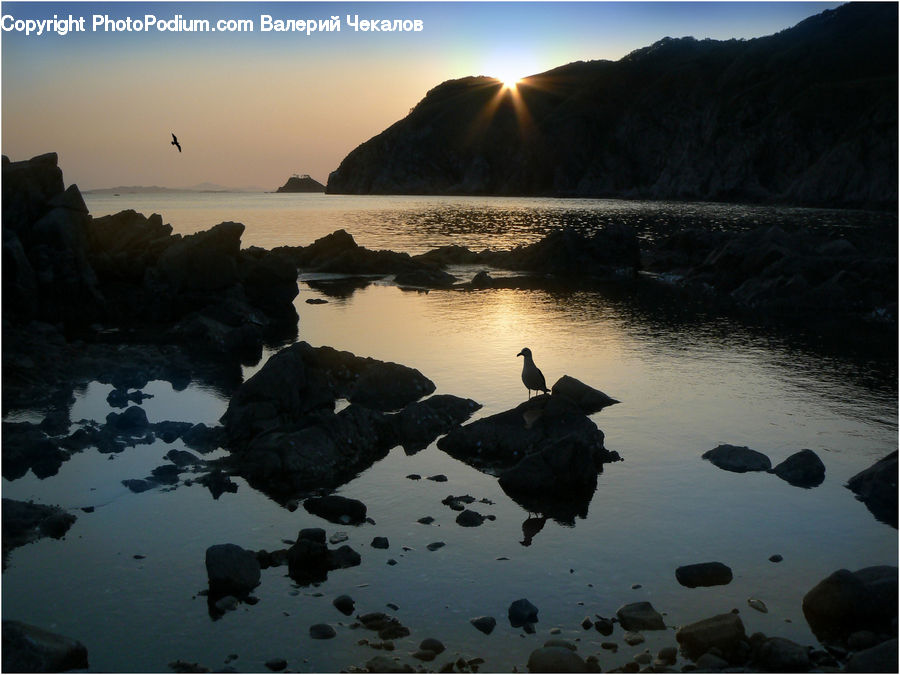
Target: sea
x=127, y=579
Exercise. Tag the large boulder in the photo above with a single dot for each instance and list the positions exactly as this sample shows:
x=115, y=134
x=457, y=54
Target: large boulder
x=421, y=422
x=876, y=487
x=779, y=655
x=29, y=649
x=555, y=660
x=846, y=602
x=802, y=469
x=737, y=458
x=881, y=658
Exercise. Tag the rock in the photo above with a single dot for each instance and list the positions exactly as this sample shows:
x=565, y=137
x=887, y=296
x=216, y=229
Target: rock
x=217, y=482
x=203, y=438
x=438, y=478
x=231, y=569
x=555, y=660
x=419, y=424
x=846, y=602
x=633, y=638
x=709, y=662
x=737, y=459
x=435, y=545
x=724, y=632
x=337, y=509
x=205, y=261
x=876, y=487
x=862, y=639
x=344, y=604
x=138, y=485
x=29, y=649
x=182, y=458
x=389, y=386
x=276, y=665
x=382, y=664
x=637, y=616
x=668, y=655
x=425, y=278
x=322, y=631
x=469, y=518
x=228, y=603
x=380, y=542
x=433, y=645
x=588, y=399
x=758, y=605
x=703, y=574
x=879, y=659
x=604, y=626
x=776, y=558
x=24, y=522
x=778, y=655
x=485, y=624
x=802, y=469
x=338, y=537
x=521, y=612
x=424, y=655
x=133, y=421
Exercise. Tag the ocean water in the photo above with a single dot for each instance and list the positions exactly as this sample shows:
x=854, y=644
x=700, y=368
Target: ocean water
x=687, y=380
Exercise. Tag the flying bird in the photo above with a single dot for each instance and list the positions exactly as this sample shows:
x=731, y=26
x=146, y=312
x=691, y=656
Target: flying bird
x=532, y=377
x=175, y=142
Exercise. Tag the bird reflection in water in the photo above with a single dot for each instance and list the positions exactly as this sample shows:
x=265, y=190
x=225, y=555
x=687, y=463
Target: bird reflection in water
x=530, y=527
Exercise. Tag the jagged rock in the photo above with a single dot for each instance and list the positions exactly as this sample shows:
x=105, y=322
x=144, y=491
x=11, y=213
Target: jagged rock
x=231, y=569
x=724, y=632
x=26, y=446
x=737, y=458
x=132, y=422
x=205, y=261
x=485, y=624
x=310, y=559
x=802, y=469
x=29, y=649
x=344, y=604
x=876, y=487
x=703, y=574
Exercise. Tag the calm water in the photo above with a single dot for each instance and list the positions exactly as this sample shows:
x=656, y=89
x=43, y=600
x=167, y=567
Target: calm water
x=687, y=382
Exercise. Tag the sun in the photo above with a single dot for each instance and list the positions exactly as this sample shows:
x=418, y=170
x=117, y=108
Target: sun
x=510, y=66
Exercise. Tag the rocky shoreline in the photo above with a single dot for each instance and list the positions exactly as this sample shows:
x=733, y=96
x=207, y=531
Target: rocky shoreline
x=122, y=300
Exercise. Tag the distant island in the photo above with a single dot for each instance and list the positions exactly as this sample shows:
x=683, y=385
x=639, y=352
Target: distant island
x=301, y=184
x=807, y=116
x=153, y=189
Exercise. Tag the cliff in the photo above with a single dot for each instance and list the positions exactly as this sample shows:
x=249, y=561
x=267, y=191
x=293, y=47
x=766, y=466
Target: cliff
x=301, y=184
x=807, y=116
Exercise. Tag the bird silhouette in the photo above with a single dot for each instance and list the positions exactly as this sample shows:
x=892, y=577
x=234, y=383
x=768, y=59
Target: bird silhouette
x=532, y=377
x=175, y=142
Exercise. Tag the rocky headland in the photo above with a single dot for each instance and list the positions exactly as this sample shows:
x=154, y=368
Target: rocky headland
x=807, y=116
x=301, y=184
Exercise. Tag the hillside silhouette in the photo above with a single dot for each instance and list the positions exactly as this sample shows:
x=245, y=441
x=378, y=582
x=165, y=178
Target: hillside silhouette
x=806, y=116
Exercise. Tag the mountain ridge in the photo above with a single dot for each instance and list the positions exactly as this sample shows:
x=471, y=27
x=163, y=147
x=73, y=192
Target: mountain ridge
x=806, y=116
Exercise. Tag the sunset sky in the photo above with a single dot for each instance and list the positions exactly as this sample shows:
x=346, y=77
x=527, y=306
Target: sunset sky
x=251, y=108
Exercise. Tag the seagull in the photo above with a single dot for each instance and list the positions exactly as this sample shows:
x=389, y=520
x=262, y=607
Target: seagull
x=175, y=142
x=532, y=377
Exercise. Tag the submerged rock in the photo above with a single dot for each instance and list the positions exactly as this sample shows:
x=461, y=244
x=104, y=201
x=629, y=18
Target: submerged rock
x=636, y=616
x=739, y=459
x=337, y=509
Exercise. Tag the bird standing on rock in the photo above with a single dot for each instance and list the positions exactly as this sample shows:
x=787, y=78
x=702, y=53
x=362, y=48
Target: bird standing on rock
x=532, y=377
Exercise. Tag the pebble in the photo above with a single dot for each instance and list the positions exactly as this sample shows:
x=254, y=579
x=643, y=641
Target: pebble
x=344, y=604
x=414, y=476
x=322, y=631
x=485, y=624
x=643, y=658
x=668, y=655
x=380, y=542
x=776, y=558
x=392, y=606
x=633, y=638
x=587, y=623
x=612, y=646
x=425, y=520
x=635, y=586
x=555, y=631
x=435, y=545
x=276, y=664
x=439, y=478
x=604, y=626
x=338, y=537
x=424, y=655
x=432, y=645
x=391, y=561
x=758, y=605
x=227, y=604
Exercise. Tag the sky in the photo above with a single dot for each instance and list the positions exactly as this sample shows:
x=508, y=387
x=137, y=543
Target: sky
x=253, y=107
